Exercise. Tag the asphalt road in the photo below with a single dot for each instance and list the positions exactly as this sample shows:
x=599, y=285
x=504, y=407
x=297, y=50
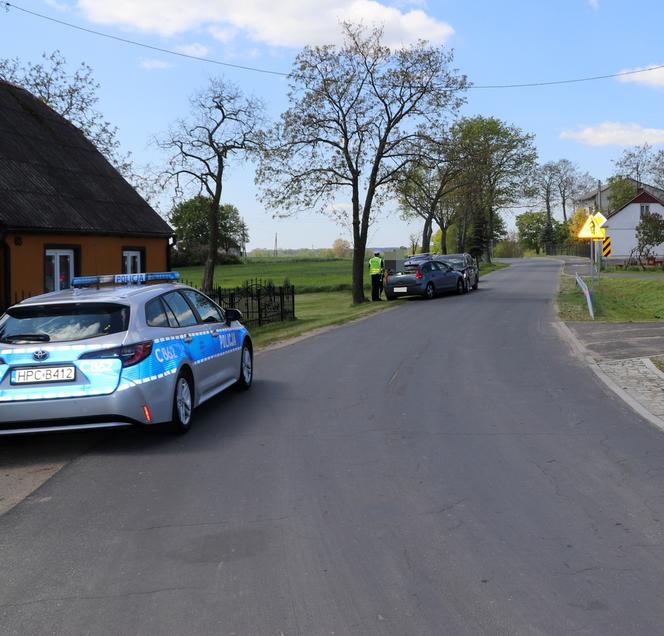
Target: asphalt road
x=443, y=468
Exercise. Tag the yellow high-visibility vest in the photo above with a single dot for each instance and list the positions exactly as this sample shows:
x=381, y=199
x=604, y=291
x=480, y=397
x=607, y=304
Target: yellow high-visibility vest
x=375, y=265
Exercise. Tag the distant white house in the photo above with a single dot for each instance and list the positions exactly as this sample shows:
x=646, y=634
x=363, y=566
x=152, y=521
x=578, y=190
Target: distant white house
x=621, y=224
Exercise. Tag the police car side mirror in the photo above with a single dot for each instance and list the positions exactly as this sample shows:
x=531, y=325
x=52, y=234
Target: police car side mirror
x=232, y=315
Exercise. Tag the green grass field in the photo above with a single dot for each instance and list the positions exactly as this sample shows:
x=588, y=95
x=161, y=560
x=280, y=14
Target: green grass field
x=308, y=275
x=317, y=310
x=614, y=299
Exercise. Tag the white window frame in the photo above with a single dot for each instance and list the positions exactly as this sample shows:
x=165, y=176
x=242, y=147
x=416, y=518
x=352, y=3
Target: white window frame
x=645, y=207
x=56, y=254
x=127, y=258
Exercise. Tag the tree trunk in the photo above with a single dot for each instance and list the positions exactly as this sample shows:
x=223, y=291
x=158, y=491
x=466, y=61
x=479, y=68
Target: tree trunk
x=426, y=235
x=213, y=226
x=443, y=240
x=489, y=238
x=359, y=250
x=564, y=202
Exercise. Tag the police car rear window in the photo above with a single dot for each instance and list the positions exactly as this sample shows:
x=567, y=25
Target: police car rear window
x=58, y=323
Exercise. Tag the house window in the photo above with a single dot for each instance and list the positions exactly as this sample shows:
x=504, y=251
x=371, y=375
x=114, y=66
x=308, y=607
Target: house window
x=645, y=209
x=131, y=262
x=58, y=270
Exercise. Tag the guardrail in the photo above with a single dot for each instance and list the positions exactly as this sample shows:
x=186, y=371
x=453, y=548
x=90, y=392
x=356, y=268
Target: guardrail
x=586, y=292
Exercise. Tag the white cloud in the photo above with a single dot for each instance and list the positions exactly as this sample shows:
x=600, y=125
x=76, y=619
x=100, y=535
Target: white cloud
x=195, y=49
x=58, y=6
x=594, y=4
x=654, y=77
x=614, y=133
x=290, y=23
x=223, y=34
x=151, y=64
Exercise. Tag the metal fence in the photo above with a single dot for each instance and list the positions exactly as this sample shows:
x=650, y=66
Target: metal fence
x=577, y=248
x=261, y=303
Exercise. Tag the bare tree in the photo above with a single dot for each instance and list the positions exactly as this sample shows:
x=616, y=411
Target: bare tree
x=571, y=183
x=72, y=94
x=352, y=126
x=422, y=189
x=545, y=184
x=636, y=162
x=223, y=125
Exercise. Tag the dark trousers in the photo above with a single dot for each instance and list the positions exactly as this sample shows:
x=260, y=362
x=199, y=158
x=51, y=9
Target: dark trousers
x=375, y=286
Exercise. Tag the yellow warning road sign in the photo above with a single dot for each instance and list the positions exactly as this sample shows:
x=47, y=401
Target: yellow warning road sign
x=592, y=227
x=600, y=219
x=606, y=246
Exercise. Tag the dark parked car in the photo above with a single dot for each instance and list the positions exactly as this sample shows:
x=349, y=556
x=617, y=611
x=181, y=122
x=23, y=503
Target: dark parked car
x=423, y=276
x=465, y=264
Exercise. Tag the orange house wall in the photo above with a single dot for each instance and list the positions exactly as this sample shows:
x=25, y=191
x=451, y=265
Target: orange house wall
x=98, y=255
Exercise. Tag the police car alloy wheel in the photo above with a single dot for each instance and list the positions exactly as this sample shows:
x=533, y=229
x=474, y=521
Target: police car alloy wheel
x=246, y=368
x=182, y=405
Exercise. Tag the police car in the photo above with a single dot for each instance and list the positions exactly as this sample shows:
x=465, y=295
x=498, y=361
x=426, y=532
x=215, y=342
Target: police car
x=101, y=357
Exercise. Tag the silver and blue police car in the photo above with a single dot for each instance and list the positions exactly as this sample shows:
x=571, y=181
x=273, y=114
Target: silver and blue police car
x=131, y=353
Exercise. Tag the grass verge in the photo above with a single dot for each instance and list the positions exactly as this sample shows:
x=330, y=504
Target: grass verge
x=614, y=300
x=314, y=311
x=658, y=361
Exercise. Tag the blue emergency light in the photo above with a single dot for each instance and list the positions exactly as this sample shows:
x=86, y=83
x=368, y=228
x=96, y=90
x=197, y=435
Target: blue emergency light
x=124, y=279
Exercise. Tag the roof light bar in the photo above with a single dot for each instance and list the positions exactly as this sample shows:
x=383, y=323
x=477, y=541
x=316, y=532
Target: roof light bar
x=124, y=279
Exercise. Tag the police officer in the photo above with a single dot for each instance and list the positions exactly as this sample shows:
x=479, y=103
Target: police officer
x=376, y=271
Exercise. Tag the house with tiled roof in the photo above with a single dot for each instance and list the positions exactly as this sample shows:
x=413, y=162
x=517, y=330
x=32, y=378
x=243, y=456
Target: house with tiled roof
x=64, y=209
x=621, y=223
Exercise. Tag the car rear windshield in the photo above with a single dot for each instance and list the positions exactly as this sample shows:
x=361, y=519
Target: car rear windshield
x=410, y=267
x=454, y=261
x=57, y=323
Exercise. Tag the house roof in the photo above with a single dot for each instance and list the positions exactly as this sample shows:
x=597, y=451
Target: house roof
x=641, y=197
x=591, y=195
x=52, y=178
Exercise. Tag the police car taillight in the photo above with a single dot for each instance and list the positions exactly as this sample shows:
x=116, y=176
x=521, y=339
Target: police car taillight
x=418, y=273
x=129, y=354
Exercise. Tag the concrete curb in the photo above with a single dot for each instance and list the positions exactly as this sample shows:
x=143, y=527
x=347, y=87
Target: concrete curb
x=582, y=353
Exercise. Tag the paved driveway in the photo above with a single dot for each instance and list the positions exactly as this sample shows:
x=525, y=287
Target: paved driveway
x=618, y=340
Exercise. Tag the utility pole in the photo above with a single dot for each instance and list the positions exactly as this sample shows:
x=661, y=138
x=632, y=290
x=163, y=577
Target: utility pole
x=276, y=249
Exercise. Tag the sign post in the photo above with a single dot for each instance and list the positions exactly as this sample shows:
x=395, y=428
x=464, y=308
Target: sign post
x=592, y=229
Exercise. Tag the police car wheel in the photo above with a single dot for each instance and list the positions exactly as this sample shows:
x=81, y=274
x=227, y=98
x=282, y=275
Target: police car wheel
x=246, y=368
x=477, y=283
x=429, y=292
x=460, y=286
x=183, y=404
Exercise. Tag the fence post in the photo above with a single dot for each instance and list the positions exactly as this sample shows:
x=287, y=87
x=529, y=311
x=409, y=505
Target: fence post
x=258, y=301
x=281, y=302
x=292, y=291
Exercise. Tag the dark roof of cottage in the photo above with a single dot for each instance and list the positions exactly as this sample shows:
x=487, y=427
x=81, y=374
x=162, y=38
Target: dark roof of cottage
x=642, y=196
x=53, y=179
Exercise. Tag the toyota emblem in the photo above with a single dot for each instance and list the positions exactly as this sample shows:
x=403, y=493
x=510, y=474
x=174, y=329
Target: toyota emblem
x=40, y=355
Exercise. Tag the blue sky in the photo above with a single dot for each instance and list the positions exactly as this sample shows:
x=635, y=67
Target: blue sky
x=495, y=42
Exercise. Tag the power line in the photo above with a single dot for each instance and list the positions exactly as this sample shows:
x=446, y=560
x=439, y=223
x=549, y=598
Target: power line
x=255, y=69
x=9, y=5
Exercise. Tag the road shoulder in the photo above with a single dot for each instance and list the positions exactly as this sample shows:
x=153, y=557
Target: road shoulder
x=637, y=381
